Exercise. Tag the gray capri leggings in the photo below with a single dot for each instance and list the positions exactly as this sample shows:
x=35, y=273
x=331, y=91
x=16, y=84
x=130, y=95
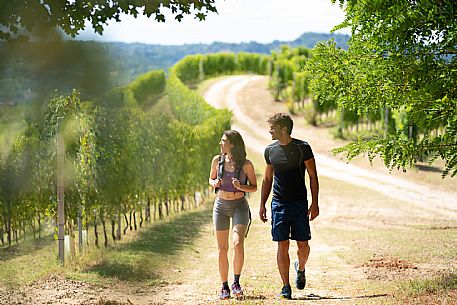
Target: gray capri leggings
x=223, y=210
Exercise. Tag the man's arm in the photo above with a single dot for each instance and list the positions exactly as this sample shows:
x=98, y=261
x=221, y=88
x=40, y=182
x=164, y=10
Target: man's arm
x=266, y=189
x=313, y=210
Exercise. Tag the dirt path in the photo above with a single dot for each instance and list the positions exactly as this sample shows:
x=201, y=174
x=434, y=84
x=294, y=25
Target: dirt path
x=250, y=119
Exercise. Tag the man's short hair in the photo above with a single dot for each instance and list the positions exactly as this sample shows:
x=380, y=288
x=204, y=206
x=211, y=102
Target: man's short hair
x=282, y=120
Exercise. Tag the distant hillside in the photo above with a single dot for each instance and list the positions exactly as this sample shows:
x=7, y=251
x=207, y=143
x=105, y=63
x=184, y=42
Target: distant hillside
x=28, y=73
x=139, y=58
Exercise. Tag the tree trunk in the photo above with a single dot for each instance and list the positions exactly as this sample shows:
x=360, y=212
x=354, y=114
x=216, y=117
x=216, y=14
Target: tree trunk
x=195, y=200
x=134, y=220
x=23, y=229
x=126, y=223
x=32, y=224
x=183, y=201
x=1, y=235
x=87, y=231
x=141, y=217
x=148, y=210
x=39, y=225
x=105, y=234
x=3, y=228
x=16, y=236
x=160, y=210
x=131, y=228
x=167, y=208
x=71, y=234
x=118, y=236
x=8, y=226
x=95, y=232
x=154, y=204
x=113, y=229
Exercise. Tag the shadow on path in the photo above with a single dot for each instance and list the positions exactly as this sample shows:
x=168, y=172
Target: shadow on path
x=26, y=247
x=315, y=297
x=142, y=259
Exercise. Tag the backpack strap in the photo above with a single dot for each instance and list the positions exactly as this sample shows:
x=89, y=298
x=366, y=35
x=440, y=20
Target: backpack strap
x=237, y=175
x=220, y=169
x=249, y=224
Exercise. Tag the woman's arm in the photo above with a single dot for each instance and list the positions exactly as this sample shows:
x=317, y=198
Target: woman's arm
x=248, y=168
x=213, y=181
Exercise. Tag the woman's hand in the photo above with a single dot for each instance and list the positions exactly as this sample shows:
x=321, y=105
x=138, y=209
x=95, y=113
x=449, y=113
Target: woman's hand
x=216, y=183
x=236, y=183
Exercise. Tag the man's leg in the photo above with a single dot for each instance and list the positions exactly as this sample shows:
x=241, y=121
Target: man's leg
x=283, y=261
x=302, y=253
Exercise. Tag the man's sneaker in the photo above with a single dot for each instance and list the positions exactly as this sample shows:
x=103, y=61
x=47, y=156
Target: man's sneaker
x=237, y=291
x=225, y=293
x=286, y=292
x=300, y=280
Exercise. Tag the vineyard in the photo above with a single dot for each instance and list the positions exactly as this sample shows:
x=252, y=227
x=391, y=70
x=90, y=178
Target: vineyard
x=120, y=154
x=127, y=166
x=120, y=157
x=128, y=163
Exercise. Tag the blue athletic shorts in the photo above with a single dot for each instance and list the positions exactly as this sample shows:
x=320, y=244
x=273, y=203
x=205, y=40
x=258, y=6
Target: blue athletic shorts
x=289, y=220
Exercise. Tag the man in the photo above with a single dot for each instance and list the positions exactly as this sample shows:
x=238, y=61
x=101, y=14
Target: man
x=287, y=160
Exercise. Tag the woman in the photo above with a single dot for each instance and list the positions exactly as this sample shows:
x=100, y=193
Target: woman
x=232, y=176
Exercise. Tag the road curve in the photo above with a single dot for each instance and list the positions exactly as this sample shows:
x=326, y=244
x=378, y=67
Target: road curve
x=226, y=94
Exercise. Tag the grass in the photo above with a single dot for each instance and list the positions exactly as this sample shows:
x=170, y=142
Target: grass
x=162, y=106
x=431, y=286
x=145, y=256
x=417, y=246
x=139, y=257
x=441, y=289
x=28, y=261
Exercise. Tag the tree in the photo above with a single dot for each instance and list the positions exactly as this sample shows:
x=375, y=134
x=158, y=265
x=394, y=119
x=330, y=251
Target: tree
x=402, y=56
x=23, y=17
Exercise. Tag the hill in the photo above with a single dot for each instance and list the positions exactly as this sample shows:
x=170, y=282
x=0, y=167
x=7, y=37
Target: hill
x=30, y=72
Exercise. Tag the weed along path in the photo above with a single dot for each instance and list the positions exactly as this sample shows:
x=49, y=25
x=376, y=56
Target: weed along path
x=379, y=239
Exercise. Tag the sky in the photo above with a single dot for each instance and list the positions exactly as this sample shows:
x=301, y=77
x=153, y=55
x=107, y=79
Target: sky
x=237, y=21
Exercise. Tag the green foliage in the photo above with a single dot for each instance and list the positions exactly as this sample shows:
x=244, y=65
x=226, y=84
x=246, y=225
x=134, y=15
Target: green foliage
x=148, y=86
x=252, y=62
x=115, y=151
x=22, y=17
x=217, y=64
x=285, y=65
x=188, y=69
x=401, y=57
x=145, y=90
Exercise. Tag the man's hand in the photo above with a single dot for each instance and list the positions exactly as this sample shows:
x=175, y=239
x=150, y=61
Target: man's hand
x=313, y=211
x=263, y=213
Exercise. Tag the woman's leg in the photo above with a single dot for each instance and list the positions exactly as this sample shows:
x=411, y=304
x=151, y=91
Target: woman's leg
x=222, y=246
x=238, y=247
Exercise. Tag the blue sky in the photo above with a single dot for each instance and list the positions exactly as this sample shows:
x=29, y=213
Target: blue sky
x=237, y=21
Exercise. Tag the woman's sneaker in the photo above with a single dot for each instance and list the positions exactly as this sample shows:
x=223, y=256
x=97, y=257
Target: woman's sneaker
x=286, y=292
x=300, y=280
x=225, y=293
x=237, y=291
